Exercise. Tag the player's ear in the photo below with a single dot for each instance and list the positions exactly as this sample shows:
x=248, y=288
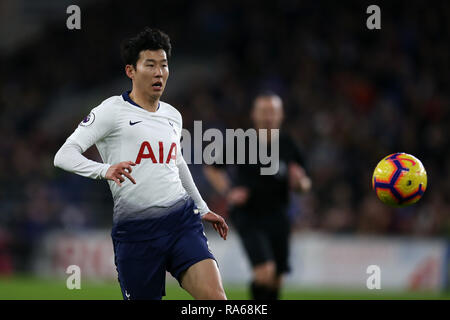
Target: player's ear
x=130, y=70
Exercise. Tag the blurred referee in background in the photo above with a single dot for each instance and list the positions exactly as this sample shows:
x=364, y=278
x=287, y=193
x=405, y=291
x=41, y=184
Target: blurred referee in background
x=259, y=203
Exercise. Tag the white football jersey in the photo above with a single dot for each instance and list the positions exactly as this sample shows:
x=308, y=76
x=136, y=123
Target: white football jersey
x=123, y=131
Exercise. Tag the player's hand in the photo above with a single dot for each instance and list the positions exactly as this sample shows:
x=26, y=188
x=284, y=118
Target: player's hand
x=117, y=171
x=218, y=223
x=237, y=196
x=298, y=180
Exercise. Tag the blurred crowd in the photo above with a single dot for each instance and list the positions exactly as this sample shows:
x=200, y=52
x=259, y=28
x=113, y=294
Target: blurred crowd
x=351, y=96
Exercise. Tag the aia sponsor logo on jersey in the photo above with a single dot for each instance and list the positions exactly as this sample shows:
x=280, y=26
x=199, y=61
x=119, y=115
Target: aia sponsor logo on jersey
x=146, y=152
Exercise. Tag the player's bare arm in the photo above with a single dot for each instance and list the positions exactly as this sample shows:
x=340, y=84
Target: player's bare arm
x=218, y=179
x=298, y=179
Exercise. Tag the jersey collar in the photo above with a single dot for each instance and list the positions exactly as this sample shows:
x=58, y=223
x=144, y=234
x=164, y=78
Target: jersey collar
x=126, y=97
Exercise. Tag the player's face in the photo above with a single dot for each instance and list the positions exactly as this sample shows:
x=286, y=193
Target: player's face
x=152, y=71
x=267, y=112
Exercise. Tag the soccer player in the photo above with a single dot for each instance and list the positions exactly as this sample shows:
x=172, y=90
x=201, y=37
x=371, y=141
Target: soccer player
x=259, y=203
x=157, y=207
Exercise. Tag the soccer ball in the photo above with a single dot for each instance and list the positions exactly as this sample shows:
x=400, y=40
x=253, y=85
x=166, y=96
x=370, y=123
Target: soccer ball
x=399, y=180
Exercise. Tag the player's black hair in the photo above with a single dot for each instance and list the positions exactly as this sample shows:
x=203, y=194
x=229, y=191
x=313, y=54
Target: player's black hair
x=147, y=39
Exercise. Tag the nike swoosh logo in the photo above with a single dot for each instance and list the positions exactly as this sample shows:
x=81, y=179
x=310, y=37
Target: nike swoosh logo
x=133, y=123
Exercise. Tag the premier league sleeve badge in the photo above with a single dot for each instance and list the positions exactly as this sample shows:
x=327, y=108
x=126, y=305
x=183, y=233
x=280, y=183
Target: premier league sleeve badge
x=88, y=120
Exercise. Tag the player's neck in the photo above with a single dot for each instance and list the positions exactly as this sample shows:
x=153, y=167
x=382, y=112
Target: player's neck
x=270, y=133
x=149, y=103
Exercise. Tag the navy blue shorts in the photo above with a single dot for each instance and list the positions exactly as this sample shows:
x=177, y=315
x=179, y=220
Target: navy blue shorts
x=142, y=265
